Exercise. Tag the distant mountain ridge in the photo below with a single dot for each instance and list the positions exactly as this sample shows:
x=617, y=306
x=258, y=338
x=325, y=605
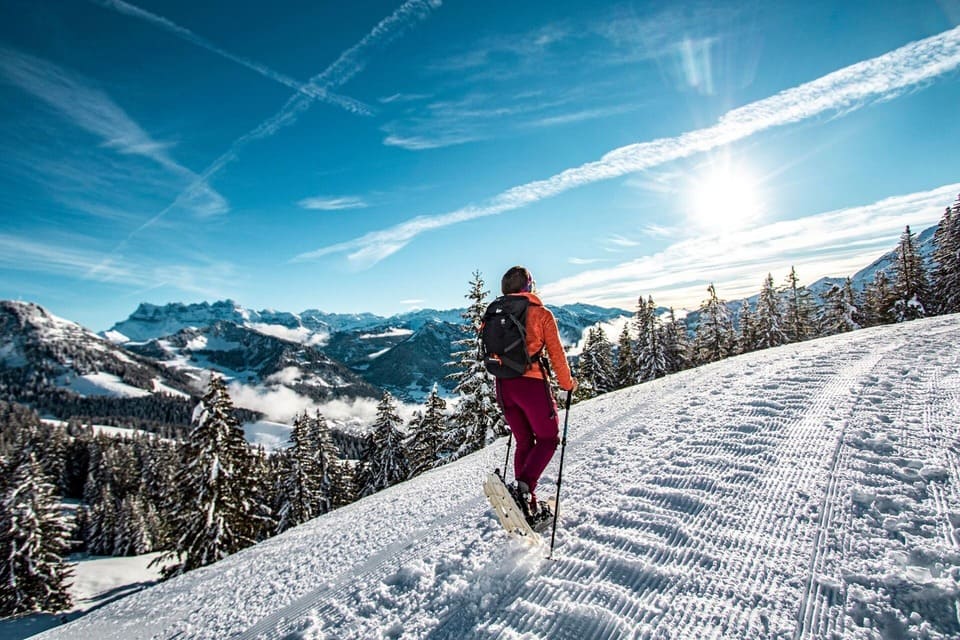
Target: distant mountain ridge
x=406, y=353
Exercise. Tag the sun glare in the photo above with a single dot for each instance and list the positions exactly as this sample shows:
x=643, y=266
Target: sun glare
x=725, y=198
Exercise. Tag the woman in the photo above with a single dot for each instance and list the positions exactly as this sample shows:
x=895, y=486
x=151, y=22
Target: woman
x=527, y=403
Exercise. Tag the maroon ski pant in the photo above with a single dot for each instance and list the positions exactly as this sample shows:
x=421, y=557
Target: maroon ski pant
x=532, y=416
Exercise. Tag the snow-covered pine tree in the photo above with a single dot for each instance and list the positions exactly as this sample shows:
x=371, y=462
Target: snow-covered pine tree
x=384, y=463
x=747, y=336
x=769, y=318
x=213, y=515
x=426, y=434
x=676, y=343
x=712, y=341
x=327, y=461
x=910, y=284
x=650, y=356
x=132, y=534
x=799, y=319
x=878, y=301
x=595, y=369
x=343, y=486
x=839, y=312
x=626, y=372
x=476, y=417
x=946, y=261
x=33, y=543
x=300, y=477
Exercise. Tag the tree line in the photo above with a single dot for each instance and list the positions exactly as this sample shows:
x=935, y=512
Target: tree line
x=653, y=345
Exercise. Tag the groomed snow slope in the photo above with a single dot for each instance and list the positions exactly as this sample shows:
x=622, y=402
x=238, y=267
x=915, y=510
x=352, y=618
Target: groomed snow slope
x=810, y=491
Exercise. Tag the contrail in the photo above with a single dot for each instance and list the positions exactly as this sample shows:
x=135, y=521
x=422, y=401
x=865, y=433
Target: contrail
x=840, y=92
x=345, y=67
x=316, y=93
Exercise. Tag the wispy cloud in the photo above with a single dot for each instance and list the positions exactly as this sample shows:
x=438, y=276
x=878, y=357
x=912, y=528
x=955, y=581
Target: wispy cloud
x=621, y=241
x=350, y=62
x=835, y=243
x=70, y=259
x=326, y=203
x=584, y=261
x=308, y=89
x=405, y=97
x=93, y=111
x=840, y=92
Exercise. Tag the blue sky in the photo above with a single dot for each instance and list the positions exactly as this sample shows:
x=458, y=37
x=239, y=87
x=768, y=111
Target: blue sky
x=369, y=156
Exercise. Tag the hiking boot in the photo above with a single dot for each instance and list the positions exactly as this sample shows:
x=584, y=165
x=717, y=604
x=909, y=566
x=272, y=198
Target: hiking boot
x=540, y=518
x=519, y=497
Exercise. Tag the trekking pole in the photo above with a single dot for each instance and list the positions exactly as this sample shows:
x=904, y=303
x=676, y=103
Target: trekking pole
x=563, y=448
x=506, y=461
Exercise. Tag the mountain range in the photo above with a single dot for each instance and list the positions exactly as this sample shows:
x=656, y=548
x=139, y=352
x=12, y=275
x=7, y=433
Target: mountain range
x=162, y=355
x=156, y=362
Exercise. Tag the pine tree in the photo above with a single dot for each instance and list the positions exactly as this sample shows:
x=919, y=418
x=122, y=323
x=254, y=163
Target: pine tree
x=33, y=543
x=300, y=477
x=910, y=284
x=476, y=418
x=799, y=312
x=839, y=312
x=879, y=301
x=343, y=484
x=769, y=318
x=427, y=427
x=626, y=373
x=747, y=338
x=946, y=260
x=327, y=462
x=384, y=463
x=713, y=338
x=214, y=515
x=676, y=343
x=650, y=355
x=595, y=373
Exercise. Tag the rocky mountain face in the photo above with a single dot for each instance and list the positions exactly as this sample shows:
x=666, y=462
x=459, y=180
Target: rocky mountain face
x=243, y=354
x=152, y=366
x=64, y=370
x=405, y=354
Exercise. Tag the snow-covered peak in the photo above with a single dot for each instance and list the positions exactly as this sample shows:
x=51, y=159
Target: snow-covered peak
x=151, y=321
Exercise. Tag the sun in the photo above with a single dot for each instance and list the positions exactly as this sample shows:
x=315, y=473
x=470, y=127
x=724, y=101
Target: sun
x=725, y=198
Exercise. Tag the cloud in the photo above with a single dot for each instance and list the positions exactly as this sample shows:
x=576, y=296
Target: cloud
x=840, y=92
x=620, y=241
x=324, y=203
x=412, y=301
x=836, y=243
x=197, y=274
x=582, y=261
x=349, y=63
x=314, y=92
x=94, y=112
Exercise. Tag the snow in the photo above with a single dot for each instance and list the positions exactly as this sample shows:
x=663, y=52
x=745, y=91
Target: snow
x=160, y=387
x=808, y=491
x=300, y=335
x=100, y=384
x=115, y=337
x=96, y=581
x=377, y=354
x=392, y=332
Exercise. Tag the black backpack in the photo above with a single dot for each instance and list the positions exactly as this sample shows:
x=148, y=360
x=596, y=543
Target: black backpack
x=503, y=337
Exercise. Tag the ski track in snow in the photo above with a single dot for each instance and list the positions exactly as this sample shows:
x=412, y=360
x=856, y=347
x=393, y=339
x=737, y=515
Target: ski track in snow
x=810, y=491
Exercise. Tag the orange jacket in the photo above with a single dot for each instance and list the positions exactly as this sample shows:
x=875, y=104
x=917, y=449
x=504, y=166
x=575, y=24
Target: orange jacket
x=542, y=332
